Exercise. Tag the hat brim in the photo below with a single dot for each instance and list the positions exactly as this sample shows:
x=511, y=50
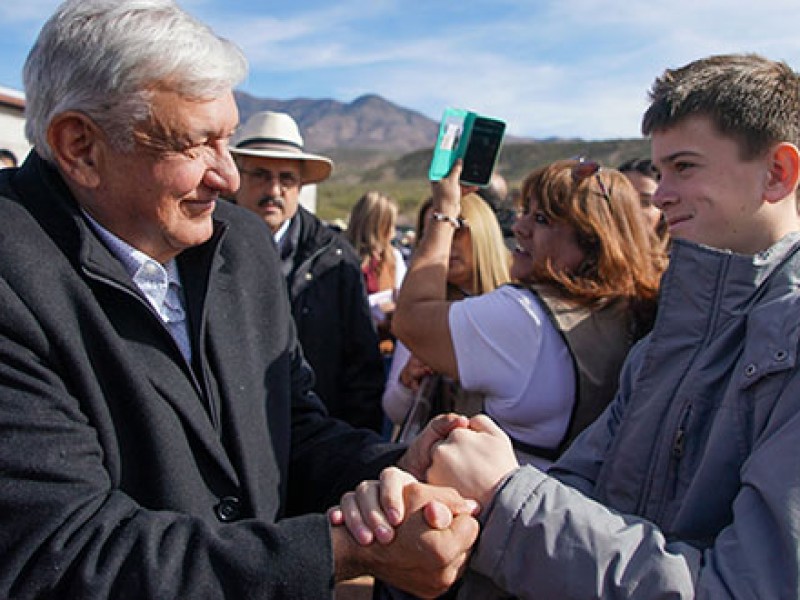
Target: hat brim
x=315, y=168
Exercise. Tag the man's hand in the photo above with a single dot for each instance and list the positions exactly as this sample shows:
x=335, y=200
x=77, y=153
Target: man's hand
x=417, y=458
x=422, y=560
x=375, y=508
x=474, y=461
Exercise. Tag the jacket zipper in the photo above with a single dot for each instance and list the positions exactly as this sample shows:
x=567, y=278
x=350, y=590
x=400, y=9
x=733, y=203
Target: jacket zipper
x=679, y=448
x=678, y=439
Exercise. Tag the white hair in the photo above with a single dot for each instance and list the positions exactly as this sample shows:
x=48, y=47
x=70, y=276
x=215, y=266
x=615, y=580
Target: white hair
x=104, y=58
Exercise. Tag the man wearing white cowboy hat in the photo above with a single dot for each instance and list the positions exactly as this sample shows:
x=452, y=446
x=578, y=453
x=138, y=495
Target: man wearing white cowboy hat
x=324, y=279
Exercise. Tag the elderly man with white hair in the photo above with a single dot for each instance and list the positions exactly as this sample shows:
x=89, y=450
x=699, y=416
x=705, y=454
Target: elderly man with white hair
x=159, y=437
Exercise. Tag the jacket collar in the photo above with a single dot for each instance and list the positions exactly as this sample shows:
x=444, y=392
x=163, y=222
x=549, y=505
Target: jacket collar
x=310, y=239
x=52, y=204
x=704, y=287
x=311, y=234
x=41, y=189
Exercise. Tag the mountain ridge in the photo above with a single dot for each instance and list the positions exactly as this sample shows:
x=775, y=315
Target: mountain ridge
x=368, y=122
x=376, y=144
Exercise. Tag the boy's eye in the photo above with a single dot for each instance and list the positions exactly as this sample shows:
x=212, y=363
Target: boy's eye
x=541, y=219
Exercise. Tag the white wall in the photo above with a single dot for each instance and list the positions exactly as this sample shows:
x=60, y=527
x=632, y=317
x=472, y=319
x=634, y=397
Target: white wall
x=12, y=132
x=308, y=197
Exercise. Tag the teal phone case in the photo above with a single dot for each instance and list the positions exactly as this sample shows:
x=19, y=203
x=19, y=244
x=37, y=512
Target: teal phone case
x=455, y=141
x=451, y=143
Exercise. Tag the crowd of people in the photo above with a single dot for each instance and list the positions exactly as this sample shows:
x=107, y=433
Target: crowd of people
x=592, y=394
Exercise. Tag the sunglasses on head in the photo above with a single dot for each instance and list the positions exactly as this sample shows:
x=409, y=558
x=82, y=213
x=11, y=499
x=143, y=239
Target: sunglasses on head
x=585, y=168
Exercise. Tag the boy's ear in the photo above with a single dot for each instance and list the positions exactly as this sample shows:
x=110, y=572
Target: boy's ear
x=784, y=172
x=75, y=141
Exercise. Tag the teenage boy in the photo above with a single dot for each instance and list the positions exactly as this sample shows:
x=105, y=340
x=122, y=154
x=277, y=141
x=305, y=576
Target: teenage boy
x=688, y=485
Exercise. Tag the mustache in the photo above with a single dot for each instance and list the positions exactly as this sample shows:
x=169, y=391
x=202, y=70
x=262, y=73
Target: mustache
x=276, y=201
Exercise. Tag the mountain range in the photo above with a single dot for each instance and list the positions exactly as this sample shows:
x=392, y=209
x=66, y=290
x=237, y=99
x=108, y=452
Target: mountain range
x=370, y=130
x=368, y=122
x=376, y=144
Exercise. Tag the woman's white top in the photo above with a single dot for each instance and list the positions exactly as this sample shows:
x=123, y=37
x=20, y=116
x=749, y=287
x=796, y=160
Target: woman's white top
x=507, y=348
x=397, y=398
x=383, y=297
x=400, y=267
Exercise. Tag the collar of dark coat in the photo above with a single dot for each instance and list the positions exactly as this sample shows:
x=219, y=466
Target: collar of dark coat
x=40, y=188
x=314, y=244
x=312, y=234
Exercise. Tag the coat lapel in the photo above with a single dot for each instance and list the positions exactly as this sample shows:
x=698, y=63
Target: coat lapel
x=145, y=342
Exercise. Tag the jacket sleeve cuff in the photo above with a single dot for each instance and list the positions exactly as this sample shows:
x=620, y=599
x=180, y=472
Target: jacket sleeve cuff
x=498, y=519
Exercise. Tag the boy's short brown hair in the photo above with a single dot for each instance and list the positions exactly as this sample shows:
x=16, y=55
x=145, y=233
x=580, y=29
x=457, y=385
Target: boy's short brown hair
x=748, y=97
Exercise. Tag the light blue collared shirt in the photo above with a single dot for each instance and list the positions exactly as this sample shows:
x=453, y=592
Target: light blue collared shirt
x=160, y=284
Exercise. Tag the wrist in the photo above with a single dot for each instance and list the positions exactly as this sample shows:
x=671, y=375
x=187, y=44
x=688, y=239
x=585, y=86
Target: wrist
x=441, y=217
x=345, y=549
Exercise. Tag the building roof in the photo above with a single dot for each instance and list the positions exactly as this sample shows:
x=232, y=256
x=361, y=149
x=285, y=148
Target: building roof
x=11, y=98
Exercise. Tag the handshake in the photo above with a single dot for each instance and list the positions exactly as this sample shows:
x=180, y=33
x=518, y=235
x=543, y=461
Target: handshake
x=415, y=527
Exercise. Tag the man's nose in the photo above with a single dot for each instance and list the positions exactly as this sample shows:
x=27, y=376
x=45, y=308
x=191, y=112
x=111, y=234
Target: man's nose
x=222, y=174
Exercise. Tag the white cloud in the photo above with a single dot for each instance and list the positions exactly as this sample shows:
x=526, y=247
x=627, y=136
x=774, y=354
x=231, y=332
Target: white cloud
x=549, y=67
x=29, y=12
x=581, y=71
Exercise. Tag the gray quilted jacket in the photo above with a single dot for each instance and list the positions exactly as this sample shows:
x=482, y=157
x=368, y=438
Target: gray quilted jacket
x=689, y=484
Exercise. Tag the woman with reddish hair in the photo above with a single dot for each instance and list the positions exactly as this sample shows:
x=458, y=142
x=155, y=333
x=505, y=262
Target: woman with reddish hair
x=546, y=353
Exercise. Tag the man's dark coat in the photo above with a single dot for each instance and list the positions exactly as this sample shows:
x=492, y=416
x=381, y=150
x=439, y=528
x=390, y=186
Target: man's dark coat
x=126, y=472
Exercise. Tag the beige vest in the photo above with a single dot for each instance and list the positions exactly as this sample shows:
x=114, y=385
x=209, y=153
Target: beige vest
x=598, y=341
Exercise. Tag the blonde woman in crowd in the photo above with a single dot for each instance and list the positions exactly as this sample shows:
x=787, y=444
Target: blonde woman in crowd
x=478, y=263
x=371, y=229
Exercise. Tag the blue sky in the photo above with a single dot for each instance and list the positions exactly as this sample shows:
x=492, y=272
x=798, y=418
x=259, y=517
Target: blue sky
x=570, y=68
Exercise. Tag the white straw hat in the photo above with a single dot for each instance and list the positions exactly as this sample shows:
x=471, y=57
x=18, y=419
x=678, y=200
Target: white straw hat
x=275, y=135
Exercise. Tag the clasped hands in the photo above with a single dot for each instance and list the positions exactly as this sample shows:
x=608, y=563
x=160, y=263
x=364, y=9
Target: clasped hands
x=416, y=525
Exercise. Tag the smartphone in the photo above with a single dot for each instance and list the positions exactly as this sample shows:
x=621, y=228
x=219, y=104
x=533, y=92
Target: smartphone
x=473, y=137
x=482, y=151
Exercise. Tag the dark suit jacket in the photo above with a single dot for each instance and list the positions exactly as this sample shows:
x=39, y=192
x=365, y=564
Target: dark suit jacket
x=125, y=471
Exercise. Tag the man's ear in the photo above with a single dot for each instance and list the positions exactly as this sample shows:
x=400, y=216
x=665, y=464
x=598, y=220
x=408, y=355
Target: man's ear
x=75, y=141
x=784, y=172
